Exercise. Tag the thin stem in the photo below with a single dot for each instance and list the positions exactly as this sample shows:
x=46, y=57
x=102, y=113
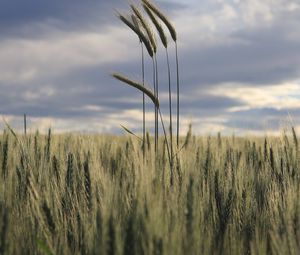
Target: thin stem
x=25, y=124
x=167, y=143
x=170, y=104
x=157, y=95
x=155, y=125
x=144, y=113
x=178, y=94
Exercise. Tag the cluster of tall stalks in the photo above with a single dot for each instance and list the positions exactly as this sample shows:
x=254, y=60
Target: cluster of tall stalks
x=143, y=24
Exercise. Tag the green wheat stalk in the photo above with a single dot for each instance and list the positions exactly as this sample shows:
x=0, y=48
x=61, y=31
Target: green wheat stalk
x=165, y=44
x=173, y=34
x=136, y=23
x=150, y=35
x=151, y=95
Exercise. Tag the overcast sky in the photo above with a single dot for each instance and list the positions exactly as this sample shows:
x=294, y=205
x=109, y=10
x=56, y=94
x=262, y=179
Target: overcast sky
x=239, y=65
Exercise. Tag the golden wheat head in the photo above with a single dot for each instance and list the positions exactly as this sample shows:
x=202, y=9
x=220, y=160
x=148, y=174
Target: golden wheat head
x=146, y=26
x=136, y=24
x=157, y=25
x=138, y=86
x=139, y=33
x=163, y=17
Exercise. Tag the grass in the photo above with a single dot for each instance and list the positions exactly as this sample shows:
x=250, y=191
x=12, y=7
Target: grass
x=79, y=194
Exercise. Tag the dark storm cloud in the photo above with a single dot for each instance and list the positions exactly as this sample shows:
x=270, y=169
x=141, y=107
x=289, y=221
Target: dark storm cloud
x=20, y=18
x=26, y=18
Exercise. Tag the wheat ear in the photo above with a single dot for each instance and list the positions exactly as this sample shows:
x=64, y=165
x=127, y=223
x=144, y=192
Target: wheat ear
x=146, y=27
x=136, y=23
x=157, y=25
x=163, y=17
x=141, y=36
x=138, y=86
x=173, y=34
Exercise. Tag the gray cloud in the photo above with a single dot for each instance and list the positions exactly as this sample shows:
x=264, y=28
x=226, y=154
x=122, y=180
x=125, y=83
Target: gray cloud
x=18, y=16
x=256, y=56
x=264, y=56
x=273, y=119
x=35, y=19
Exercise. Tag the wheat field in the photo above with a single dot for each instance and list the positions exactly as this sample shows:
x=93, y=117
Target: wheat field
x=94, y=194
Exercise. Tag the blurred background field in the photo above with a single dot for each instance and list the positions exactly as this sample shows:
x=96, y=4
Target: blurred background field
x=93, y=194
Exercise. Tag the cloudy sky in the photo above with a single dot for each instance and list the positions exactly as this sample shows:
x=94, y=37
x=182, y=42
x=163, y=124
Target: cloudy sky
x=239, y=65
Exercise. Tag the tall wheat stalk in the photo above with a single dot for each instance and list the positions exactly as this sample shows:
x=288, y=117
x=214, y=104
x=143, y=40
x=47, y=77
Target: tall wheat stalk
x=178, y=94
x=173, y=34
x=134, y=26
x=136, y=23
x=139, y=25
x=154, y=99
x=165, y=44
x=144, y=108
x=148, y=31
x=149, y=41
